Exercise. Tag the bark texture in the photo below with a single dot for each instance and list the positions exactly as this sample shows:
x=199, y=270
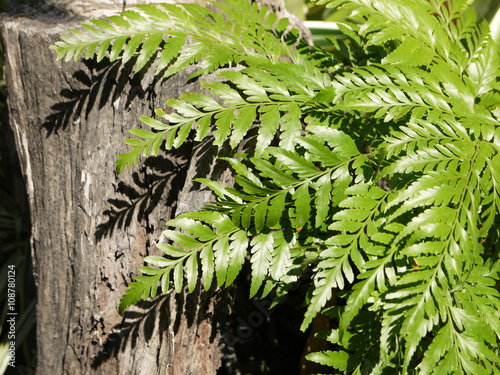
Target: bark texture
x=90, y=229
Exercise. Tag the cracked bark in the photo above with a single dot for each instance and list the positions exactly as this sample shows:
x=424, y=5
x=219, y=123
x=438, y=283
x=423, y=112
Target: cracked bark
x=90, y=229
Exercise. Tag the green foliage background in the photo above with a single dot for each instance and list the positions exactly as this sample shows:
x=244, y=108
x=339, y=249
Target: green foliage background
x=375, y=166
x=311, y=10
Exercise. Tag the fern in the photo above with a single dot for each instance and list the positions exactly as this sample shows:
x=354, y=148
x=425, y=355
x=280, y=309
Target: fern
x=377, y=166
x=243, y=37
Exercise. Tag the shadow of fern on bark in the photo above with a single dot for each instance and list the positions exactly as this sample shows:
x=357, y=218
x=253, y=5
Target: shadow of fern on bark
x=155, y=316
x=128, y=329
x=105, y=82
x=159, y=176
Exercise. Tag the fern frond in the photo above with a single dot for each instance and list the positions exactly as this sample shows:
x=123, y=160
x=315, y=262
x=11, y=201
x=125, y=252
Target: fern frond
x=200, y=243
x=394, y=20
x=262, y=96
x=292, y=181
x=217, y=38
x=419, y=134
x=355, y=224
x=483, y=69
x=391, y=92
x=444, y=241
x=142, y=288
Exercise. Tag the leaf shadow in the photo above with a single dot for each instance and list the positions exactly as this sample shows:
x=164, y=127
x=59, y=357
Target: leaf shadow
x=129, y=328
x=98, y=83
x=155, y=314
x=158, y=176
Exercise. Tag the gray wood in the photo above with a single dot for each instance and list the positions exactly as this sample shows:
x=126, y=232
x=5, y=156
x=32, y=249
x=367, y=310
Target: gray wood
x=91, y=229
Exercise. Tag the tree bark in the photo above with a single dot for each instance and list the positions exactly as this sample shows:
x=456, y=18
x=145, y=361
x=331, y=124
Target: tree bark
x=90, y=229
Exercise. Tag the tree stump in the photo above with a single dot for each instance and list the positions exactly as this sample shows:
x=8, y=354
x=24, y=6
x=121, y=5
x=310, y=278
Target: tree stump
x=91, y=229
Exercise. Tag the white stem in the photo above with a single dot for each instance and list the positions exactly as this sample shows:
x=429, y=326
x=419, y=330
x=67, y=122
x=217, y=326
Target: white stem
x=495, y=27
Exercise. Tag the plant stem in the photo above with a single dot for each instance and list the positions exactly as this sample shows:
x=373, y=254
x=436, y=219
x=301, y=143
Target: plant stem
x=495, y=27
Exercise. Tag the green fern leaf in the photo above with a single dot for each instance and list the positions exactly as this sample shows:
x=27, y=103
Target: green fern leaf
x=411, y=53
x=337, y=360
x=237, y=255
x=192, y=272
x=269, y=117
x=385, y=183
x=262, y=249
x=132, y=295
x=207, y=264
x=483, y=68
x=142, y=288
x=221, y=250
x=296, y=163
x=178, y=277
x=281, y=261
